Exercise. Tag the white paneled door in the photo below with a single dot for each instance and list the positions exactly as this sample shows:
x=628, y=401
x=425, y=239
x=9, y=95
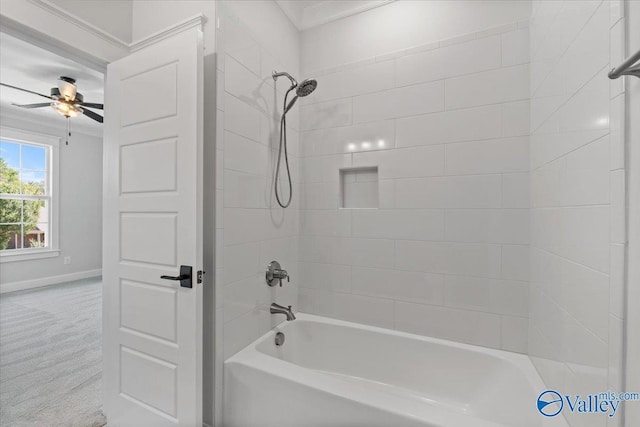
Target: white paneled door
x=152, y=228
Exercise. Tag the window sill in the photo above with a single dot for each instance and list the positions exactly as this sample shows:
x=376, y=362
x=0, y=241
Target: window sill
x=28, y=255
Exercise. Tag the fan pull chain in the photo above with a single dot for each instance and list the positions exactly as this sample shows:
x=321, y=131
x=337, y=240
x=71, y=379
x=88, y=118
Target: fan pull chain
x=68, y=130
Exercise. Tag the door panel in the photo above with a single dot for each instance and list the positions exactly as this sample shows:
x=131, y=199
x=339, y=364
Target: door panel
x=152, y=225
x=138, y=370
x=159, y=161
x=149, y=238
x=148, y=309
x=156, y=87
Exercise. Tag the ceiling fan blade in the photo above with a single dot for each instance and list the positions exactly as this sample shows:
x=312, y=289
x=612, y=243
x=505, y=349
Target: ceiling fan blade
x=25, y=90
x=44, y=104
x=92, y=115
x=91, y=105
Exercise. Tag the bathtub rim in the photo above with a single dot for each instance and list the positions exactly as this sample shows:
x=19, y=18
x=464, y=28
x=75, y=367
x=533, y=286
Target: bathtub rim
x=252, y=357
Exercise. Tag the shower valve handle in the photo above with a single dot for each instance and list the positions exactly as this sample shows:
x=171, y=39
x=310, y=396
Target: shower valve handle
x=275, y=274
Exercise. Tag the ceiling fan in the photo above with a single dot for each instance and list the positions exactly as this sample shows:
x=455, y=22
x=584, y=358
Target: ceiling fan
x=65, y=99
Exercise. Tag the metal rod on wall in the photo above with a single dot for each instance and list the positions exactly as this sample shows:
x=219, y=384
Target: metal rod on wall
x=627, y=68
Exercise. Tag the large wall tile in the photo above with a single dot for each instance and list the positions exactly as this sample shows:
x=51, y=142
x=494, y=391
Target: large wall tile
x=401, y=102
x=515, y=116
x=464, y=58
x=399, y=224
x=326, y=114
x=349, y=139
x=491, y=156
x=404, y=163
x=354, y=308
x=450, y=126
x=250, y=231
x=471, y=259
x=326, y=277
x=515, y=47
x=400, y=285
x=574, y=267
x=449, y=234
x=516, y=190
x=479, y=191
x=488, y=225
x=355, y=81
x=441, y=322
x=244, y=155
x=489, y=87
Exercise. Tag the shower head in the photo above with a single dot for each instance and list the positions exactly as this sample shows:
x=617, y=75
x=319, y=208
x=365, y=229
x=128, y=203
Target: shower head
x=303, y=89
x=306, y=87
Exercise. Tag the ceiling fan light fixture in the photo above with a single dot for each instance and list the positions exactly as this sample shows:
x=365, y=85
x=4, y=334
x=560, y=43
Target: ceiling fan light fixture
x=67, y=88
x=66, y=109
x=65, y=99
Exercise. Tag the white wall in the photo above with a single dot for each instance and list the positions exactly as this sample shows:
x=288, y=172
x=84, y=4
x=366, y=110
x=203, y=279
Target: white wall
x=253, y=229
x=446, y=253
x=152, y=16
x=113, y=16
x=255, y=37
x=400, y=25
x=577, y=185
x=49, y=26
x=632, y=12
x=80, y=216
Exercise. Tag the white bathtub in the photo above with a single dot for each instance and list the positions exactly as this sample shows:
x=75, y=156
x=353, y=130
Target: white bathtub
x=334, y=373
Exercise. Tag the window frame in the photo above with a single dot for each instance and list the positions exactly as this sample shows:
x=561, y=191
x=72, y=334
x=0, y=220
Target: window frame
x=53, y=249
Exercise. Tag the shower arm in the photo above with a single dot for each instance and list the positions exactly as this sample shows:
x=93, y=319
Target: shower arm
x=627, y=68
x=275, y=75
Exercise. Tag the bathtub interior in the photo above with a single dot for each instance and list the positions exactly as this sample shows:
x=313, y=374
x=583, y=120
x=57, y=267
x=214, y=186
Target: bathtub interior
x=483, y=383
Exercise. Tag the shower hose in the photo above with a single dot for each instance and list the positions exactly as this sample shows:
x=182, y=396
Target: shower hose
x=283, y=143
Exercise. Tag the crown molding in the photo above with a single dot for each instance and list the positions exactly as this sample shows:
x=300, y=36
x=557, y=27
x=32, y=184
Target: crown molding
x=305, y=18
x=79, y=22
x=196, y=21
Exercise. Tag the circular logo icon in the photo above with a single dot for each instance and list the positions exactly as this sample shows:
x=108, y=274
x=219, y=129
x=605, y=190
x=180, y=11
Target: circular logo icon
x=550, y=403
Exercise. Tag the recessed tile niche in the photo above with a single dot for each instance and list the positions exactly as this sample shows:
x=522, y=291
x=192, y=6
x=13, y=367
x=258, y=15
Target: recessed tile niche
x=359, y=187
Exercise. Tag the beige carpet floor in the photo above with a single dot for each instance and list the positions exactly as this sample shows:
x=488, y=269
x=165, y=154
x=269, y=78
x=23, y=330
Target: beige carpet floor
x=51, y=356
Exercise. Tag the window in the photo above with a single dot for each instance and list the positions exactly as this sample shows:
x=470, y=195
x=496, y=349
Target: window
x=28, y=205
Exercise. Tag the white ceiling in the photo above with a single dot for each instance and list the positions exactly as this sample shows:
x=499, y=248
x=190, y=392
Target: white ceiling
x=306, y=14
x=33, y=68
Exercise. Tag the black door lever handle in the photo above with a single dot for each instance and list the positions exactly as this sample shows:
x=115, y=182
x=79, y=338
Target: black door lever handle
x=174, y=277
x=184, y=277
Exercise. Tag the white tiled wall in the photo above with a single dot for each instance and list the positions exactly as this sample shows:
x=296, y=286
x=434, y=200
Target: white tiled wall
x=408, y=26
x=253, y=39
x=577, y=196
x=446, y=253
x=471, y=173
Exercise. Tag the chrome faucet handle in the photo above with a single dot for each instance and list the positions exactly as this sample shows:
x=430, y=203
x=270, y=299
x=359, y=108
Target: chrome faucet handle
x=275, y=274
x=281, y=274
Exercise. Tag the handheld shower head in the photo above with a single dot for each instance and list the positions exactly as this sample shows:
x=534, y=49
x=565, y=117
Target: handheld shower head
x=306, y=87
x=303, y=89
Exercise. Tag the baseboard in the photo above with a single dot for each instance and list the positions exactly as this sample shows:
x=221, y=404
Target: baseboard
x=48, y=281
